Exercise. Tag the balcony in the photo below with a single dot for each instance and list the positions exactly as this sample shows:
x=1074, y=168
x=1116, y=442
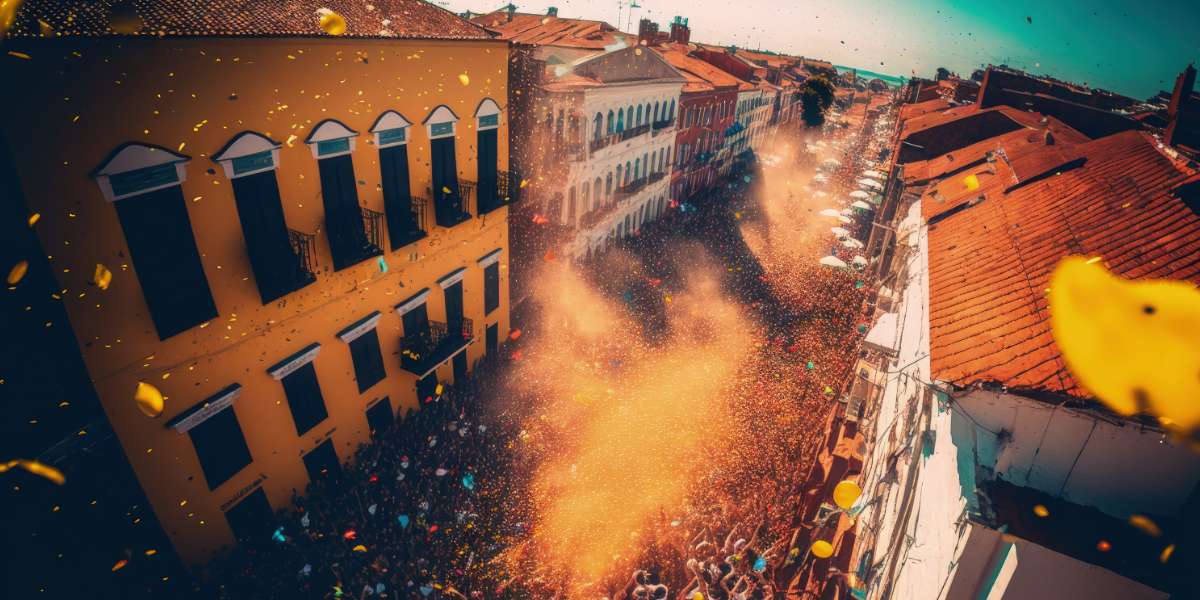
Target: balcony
x=508, y=191
x=631, y=188
x=453, y=208
x=633, y=132
x=304, y=246
x=351, y=246
x=423, y=352
x=600, y=144
x=658, y=126
x=416, y=225
x=655, y=177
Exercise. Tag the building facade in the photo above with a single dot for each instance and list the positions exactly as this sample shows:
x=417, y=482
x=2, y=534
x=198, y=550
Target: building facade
x=595, y=117
x=294, y=237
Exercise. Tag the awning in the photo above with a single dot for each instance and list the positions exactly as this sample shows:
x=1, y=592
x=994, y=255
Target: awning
x=859, y=204
x=860, y=194
x=833, y=261
x=883, y=336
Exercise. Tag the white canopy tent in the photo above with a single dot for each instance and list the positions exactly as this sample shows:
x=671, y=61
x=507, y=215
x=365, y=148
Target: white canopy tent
x=873, y=174
x=860, y=194
x=859, y=204
x=833, y=261
x=829, y=212
x=859, y=261
x=870, y=184
x=841, y=232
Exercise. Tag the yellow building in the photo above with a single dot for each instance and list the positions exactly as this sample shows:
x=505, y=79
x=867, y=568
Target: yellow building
x=305, y=233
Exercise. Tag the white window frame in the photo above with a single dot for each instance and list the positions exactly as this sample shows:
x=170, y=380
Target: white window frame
x=134, y=156
x=389, y=121
x=330, y=130
x=441, y=115
x=291, y=364
x=244, y=144
x=487, y=108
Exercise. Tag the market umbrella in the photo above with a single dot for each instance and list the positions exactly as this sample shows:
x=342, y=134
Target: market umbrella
x=859, y=204
x=870, y=183
x=833, y=261
x=852, y=243
x=831, y=162
x=859, y=261
x=859, y=194
x=845, y=219
x=840, y=231
x=873, y=174
x=829, y=212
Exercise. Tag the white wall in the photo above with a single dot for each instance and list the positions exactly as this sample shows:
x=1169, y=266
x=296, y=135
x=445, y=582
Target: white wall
x=1118, y=467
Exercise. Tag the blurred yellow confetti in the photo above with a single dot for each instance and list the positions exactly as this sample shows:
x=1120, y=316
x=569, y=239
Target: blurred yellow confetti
x=438, y=389
x=37, y=468
x=151, y=552
x=119, y=565
x=464, y=79
x=1041, y=511
x=45, y=29
x=149, y=399
x=20, y=55
x=1146, y=525
x=35, y=217
x=971, y=182
x=331, y=22
x=8, y=12
x=291, y=140
x=524, y=183
x=102, y=277
x=1166, y=553
x=445, y=190
x=360, y=548
x=17, y=272
x=1114, y=334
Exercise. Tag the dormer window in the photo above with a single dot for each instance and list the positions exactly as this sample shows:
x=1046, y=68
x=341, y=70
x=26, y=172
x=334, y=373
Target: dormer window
x=143, y=183
x=250, y=160
x=331, y=138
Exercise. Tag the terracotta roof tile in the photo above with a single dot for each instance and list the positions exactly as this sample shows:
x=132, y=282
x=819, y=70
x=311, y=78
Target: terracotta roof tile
x=406, y=19
x=909, y=111
x=1015, y=143
x=990, y=262
x=543, y=30
x=701, y=76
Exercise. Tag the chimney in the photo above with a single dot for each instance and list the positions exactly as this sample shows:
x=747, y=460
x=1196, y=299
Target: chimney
x=647, y=32
x=511, y=10
x=1183, y=90
x=552, y=11
x=1049, y=138
x=680, y=33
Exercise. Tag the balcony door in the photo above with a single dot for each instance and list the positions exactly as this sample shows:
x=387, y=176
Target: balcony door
x=397, y=197
x=277, y=270
x=486, y=165
x=454, y=309
x=447, y=202
x=343, y=216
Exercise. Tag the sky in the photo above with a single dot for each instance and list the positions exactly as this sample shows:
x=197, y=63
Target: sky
x=1126, y=46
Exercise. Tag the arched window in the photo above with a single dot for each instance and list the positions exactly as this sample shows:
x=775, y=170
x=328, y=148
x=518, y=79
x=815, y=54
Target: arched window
x=596, y=194
x=647, y=113
x=628, y=173
x=487, y=128
x=608, y=179
x=620, y=120
x=597, y=127
x=618, y=175
x=672, y=114
x=639, y=116
x=612, y=124
x=629, y=117
x=637, y=168
x=586, y=196
x=331, y=143
x=656, y=112
x=646, y=162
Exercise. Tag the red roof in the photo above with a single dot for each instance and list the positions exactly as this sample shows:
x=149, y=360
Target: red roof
x=701, y=76
x=543, y=30
x=1014, y=144
x=408, y=19
x=990, y=262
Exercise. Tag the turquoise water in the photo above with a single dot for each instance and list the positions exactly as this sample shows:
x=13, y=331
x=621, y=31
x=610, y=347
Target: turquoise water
x=889, y=79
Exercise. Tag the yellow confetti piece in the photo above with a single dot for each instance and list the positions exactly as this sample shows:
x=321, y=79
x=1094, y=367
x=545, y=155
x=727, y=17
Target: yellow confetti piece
x=34, y=218
x=20, y=55
x=360, y=548
x=37, y=468
x=181, y=145
x=291, y=140
x=1093, y=260
x=149, y=399
x=445, y=190
x=1146, y=525
x=102, y=276
x=524, y=183
x=464, y=79
x=438, y=389
x=331, y=22
x=119, y=565
x=151, y=552
x=1166, y=553
x=971, y=182
x=17, y=272
x=1041, y=511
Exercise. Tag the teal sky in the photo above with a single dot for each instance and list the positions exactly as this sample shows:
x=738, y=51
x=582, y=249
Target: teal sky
x=1131, y=47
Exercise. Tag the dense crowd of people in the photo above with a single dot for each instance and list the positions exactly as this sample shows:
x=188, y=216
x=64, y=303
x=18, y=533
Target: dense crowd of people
x=434, y=507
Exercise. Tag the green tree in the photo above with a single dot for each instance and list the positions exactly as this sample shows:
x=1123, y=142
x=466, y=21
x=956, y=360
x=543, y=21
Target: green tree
x=815, y=99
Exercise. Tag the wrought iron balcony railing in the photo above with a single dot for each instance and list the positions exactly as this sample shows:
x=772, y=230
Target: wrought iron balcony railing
x=423, y=351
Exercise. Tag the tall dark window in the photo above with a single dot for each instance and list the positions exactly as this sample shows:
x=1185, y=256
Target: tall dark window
x=447, y=202
x=251, y=518
x=158, y=231
x=304, y=398
x=379, y=417
x=402, y=224
x=486, y=166
x=277, y=269
x=322, y=463
x=220, y=446
x=368, y=360
x=454, y=308
x=492, y=337
x=427, y=387
x=459, y=364
x=416, y=321
x=343, y=216
x=491, y=288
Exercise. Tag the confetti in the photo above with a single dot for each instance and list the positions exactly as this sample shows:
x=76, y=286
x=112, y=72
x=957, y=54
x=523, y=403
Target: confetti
x=34, y=218
x=37, y=468
x=149, y=399
x=120, y=564
x=331, y=22
x=464, y=79
x=1145, y=525
x=17, y=272
x=102, y=276
x=1166, y=553
x=1041, y=511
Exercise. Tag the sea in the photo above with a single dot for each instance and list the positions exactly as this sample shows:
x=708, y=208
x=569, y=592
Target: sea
x=888, y=79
